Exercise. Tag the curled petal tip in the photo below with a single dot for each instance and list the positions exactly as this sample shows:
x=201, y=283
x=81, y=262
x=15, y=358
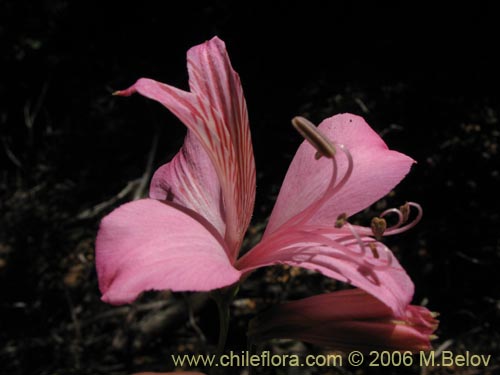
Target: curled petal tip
x=126, y=92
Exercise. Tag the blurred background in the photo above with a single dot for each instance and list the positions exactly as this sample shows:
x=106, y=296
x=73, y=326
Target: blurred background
x=425, y=78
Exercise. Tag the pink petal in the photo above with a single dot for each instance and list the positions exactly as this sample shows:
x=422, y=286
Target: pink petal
x=191, y=181
x=340, y=260
x=376, y=170
x=215, y=111
x=151, y=245
x=212, y=78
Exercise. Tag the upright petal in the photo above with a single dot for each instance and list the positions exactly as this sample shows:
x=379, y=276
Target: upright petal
x=151, y=245
x=215, y=111
x=376, y=170
x=212, y=78
x=190, y=180
x=346, y=320
x=334, y=253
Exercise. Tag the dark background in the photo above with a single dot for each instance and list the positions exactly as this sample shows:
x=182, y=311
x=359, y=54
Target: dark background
x=426, y=78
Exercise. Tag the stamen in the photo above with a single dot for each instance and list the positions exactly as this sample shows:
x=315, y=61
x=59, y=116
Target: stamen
x=394, y=211
x=341, y=220
x=396, y=230
x=405, y=211
x=358, y=239
x=378, y=225
x=331, y=189
x=333, y=186
x=388, y=260
x=373, y=248
x=403, y=217
x=348, y=172
x=308, y=130
x=355, y=238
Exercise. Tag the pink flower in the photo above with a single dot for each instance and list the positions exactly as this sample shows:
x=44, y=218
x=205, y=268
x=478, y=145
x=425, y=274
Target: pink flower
x=347, y=320
x=187, y=235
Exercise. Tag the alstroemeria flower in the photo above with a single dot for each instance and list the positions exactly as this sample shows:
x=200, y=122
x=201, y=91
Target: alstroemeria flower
x=347, y=320
x=187, y=235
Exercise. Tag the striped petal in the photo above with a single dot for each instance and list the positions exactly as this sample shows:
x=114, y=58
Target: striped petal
x=215, y=112
x=212, y=78
x=190, y=180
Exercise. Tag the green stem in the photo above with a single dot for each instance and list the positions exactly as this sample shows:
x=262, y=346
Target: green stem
x=223, y=298
x=223, y=307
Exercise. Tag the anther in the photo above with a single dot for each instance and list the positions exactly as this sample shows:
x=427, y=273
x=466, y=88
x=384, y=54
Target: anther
x=309, y=131
x=374, y=250
x=405, y=211
x=341, y=220
x=378, y=226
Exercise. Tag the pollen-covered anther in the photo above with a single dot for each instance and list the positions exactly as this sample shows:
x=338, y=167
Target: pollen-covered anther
x=378, y=225
x=405, y=211
x=310, y=132
x=341, y=220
